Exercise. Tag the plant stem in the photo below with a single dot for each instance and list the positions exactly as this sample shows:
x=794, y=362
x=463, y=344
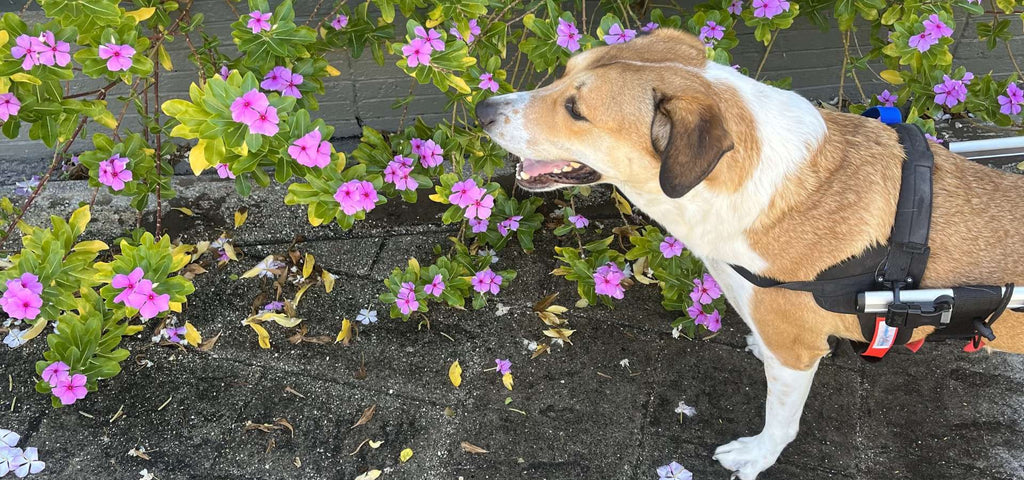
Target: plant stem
x=767, y=50
x=159, y=153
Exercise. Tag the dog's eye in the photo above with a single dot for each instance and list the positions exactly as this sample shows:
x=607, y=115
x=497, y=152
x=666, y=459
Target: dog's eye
x=573, y=109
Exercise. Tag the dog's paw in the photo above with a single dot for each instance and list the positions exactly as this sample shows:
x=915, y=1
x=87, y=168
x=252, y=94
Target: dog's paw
x=754, y=346
x=747, y=456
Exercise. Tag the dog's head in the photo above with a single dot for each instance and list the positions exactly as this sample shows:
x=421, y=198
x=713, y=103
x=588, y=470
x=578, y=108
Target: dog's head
x=641, y=115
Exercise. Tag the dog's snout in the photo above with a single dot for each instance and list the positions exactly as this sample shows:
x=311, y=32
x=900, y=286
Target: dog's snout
x=487, y=112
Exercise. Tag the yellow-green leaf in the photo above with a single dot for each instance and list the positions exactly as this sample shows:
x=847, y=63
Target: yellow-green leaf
x=241, y=215
x=79, y=219
x=298, y=295
x=459, y=84
x=165, y=58
x=370, y=475
x=35, y=330
x=90, y=246
x=891, y=76
x=4, y=37
x=506, y=380
x=26, y=78
x=174, y=306
x=345, y=335
x=192, y=336
x=328, y=279
x=264, y=337
x=132, y=330
x=621, y=204
x=455, y=374
x=405, y=455
x=142, y=14
x=375, y=444
x=307, y=265
x=252, y=272
x=332, y=71
x=414, y=266
x=185, y=211
x=197, y=157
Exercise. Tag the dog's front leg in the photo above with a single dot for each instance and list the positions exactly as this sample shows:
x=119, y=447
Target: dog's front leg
x=787, y=392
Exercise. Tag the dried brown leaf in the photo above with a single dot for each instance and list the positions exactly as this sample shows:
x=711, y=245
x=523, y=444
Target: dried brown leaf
x=550, y=319
x=545, y=302
x=367, y=416
x=470, y=448
x=207, y=345
x=292, y=391
x=541, y=349
x=285, y=424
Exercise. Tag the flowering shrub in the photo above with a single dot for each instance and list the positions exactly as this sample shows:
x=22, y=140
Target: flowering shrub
x=250, y=117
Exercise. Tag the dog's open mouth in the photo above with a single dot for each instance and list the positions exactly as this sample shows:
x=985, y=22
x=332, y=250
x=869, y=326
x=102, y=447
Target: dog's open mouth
x=534, y=174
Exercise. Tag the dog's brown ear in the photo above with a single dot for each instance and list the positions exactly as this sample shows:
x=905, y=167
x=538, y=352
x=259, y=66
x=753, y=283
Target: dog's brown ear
x=689, y=135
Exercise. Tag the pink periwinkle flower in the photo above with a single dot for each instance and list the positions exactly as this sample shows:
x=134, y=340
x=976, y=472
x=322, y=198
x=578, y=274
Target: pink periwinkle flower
x=510, y=224
x=310, y=150
x=53, y=52
x=769, y=8
x=291, y=85
x=114, y=172
x=933, y=138
x=9, y=105
x=650, y=27
x=705, y=290
x=71, y=389
x=486, y=281
x=736, y=7
x=950, y=92
x=435, y=287
x=474, y=30
x=128, y=284
x=406, y=299
x=579, y=221
x=478, y=225
x=711, y=33
x=174, y=334
x=608, y=281
x=56, y=372
x=1009, y=104
x=480, y=207
x=274, y=79
x=886, y=98
x=224, y=72
x=147, y=302
x=265, y=123
x=417, y=52
x=398, y=173
x=464, y=193
x=118, y=57
x=246, y=109
x=921, y=41
x=616, y=34
x=936, y=28
x=20, y=303
x=504, y=366
x=568, y=36
x=27, y=47
x=430, y=154
x=671, y=247
x=29, y=281
x=339, y=22
x=258, y=21
x=224, y=171
x=487, y=82
x=712, y=321
x=433, y=38
x=356, y=196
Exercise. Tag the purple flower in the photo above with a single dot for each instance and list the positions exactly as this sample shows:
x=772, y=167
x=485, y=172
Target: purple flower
x=417, y=52
x=769, y=8
x=53, y=51
x=1009, y=104
x=950, y=92
x=118, y=57
x=258, y=21
x=487, y=82
x=430, y=153
x=55, y=372
x=114, y=172
x=712, y=321
x=474, y=30
x=310, y=151
x=934, y=27
x=711, y=33
x=671, y=247
x=128, y=284
x=608, y=280
x=486, y=281
x=274, y=80
x=464, y=193
x=968, y=76
x=339, y=22
x=617, y=35
x=568, y=35
x=579, y=221
x=479, y=225
x=245, y=109
x=650, y=27
x=224, y=72
x=432, y=37
x=887, y=98
x=435, y=287
x=71, y=389
x=29, y=48
x=674, y=471
x=736, y=7
x=921, y=41
x=932, y=138
x=24, y=462
x=224, y=171
x=510, y=224
x=274, y=306
x=705, y=290
x=174, y=334
x=356, y=196
x=9, y=106
x=26, y=187
x=504, y=366
x=480, y=207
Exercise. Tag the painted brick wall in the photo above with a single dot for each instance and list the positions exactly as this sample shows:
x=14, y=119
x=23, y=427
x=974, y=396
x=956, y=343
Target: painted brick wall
x=365, y=91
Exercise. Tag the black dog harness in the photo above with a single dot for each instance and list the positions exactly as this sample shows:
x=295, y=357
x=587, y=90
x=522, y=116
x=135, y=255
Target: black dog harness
x=900, y=265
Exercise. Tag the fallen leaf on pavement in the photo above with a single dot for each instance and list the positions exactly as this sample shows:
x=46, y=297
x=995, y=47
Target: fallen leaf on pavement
x=455, y=374
x=470, y=448
x=370, y=475
x=405, y=455
x=367, y=416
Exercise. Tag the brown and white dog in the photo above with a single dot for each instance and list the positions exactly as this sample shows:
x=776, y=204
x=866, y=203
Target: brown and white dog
x=755, y=176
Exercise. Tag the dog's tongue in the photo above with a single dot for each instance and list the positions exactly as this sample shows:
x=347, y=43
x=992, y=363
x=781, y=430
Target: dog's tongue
x=533, y=167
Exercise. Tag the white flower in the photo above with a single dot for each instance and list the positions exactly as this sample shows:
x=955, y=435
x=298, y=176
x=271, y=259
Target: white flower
x=27, y=462
x=15, y=338
x=7, y=456
x=146, y=475
x=676, y=332
x=487, y=251
x=367, y=316
x=8, y=438
x=684, y=409
x=624, y=363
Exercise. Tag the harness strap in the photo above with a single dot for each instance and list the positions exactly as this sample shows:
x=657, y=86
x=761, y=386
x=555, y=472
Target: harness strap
x=908, y=243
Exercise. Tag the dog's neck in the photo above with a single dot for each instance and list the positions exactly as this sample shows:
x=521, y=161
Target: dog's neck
x=714, y=223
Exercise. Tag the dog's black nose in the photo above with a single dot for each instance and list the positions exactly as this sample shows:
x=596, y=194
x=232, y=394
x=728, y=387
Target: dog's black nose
x=487, y=112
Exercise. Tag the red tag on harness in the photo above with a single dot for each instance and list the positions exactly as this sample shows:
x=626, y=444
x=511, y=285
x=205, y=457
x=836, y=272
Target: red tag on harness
x=883, y=339
x=915, y=346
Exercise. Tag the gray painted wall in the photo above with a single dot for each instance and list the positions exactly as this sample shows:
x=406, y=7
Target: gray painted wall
x=365, y=91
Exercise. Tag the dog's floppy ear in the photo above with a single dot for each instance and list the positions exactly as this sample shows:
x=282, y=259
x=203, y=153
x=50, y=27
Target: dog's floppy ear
x=689, y=135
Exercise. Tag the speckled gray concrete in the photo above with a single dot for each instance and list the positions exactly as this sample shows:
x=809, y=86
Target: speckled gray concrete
x=938, y=414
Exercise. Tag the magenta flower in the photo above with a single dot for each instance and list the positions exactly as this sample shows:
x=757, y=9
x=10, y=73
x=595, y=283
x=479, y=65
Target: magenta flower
x=430, y=154
x=510, y=224
x=417, y=52
x=579, y=221
x=736, y=7
x=480, y=207
x=968, y=76
x=265, y=123
x=274, y=306
x=403, y=161
x=705, y=290
x=887, y=98
x=174, y=334
x=28, y=281
x=617, y=35
x=53, y=52
x=118, y=57
x=433, y=38
x=128, y=283
x=258, y=21
x=224, y=72
x=504, y=366
x=934, y=27
x=769, y=8
x=608, y=280
x=713, y=320
x=435, y=287
x=921, y=41
x=55, y=372
x=487, y=82
x=932, y=138
x=9, y=106
x=20, y=303
x=71, y=389
x=466, y=192
x=291, y=85
x=406, y=299
x=416, y=144
x=398, y=173
x=29, y=48
x=568, y=35
x=311, y=151
x=224, y=171
x=114, y=172
x=407, y=288
x=474, y=30
x=479, y=225
x=274, y=79
x=486, y=281
x=711, y=33
x=339, y=22
x=147, y=302
x=245, y=109
x=366, y=196
x=950, y=92
x=671, y=247
x=356, y=196
x=650, y=27
x=1009, y=104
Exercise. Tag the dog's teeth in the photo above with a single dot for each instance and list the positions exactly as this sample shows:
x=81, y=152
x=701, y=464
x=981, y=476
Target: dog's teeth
x=574, y=164
x=524, y=176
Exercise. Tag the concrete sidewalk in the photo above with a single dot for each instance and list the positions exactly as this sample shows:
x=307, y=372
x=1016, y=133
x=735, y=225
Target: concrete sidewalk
x=574, y=414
